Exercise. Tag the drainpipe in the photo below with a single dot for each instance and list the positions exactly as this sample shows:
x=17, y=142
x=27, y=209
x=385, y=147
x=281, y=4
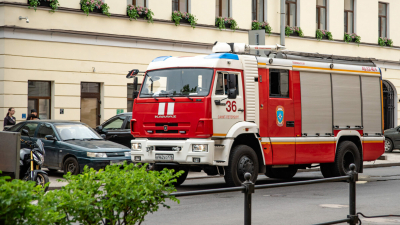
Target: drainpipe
x=283, y=11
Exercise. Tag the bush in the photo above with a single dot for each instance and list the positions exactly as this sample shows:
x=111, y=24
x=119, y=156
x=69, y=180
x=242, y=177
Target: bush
x=221, y=22
x=319, y=34
x=178, y=16
x=89, y=5
x=135, y=12
x=290, y=30
x=35, y=3
x=385, y=42
x=255, y=25
x=352, y=38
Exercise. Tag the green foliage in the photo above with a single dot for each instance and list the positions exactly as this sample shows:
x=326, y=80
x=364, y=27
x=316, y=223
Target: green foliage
x=385, y=42
x=178, y=16
x=255, y=25
x=319, y=34
x=221, y=23
x=352, y=38
x=35, y=3
x=291, y=30
x=135, y=12
x=89, y=5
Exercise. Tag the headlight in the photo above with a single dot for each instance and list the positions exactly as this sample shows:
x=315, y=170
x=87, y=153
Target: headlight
x=39, y=159
x=96, y=155
x=136, y=146
x=127, y=154
x=199, y=148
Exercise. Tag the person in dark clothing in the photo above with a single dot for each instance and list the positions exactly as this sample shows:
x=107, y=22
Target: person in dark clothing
x=9, y=119
x=32, y=115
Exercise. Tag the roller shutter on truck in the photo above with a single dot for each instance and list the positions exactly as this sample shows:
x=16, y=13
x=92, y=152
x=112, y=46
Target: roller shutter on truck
x=372, y=110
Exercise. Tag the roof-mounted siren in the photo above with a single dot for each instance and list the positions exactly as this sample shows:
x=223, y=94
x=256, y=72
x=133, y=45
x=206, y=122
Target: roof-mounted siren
x=242, y=48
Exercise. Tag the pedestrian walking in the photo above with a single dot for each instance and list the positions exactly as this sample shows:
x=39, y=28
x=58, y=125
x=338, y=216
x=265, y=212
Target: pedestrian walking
x=9, y=119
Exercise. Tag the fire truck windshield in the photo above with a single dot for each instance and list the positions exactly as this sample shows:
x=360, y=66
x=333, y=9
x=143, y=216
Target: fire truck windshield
x=177, y=82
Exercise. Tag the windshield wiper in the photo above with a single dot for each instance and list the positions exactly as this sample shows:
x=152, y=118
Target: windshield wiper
x=72, y=139
x=90, y=139
x=167, y=95
x=152, y=95
x=187, y=96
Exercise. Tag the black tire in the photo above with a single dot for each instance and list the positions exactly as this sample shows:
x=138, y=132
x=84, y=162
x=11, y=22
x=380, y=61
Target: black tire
x=71, y=165
x=241, y=160
x=181, y=178
x=42, y=179
x=327, y=169
x=388, y=145
x=346, y=154
x=281, y=173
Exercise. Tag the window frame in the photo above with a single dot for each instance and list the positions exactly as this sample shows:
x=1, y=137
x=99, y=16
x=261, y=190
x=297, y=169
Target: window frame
x=113, y=119
x=380, y=20
x=45, y=124
x=287, y=4
x=279, y=81
x=347, y=19
x=179, y=5
x=256, y=13
x=144, y=3
x=224, y=76
x=220, y=8
x=37, y=98
x=319, y=15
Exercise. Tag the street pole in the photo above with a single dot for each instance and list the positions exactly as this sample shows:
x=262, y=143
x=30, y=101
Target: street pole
x=247, y=198
x=283, y=12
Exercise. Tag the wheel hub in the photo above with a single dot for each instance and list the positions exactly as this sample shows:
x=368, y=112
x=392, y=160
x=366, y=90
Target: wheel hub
x=71, y=167
x=387, y=145
x=347, y=160
x=245, y=165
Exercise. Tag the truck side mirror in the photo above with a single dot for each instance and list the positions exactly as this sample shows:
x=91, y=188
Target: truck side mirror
x=232, y=93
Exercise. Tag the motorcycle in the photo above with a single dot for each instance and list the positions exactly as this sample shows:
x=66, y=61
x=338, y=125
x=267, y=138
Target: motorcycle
x=31, y=160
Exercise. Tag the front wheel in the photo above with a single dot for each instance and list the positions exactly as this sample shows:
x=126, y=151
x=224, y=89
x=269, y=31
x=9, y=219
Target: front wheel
x=242, y=159
x=71, y=165
x=388, y=145
x=42, y=179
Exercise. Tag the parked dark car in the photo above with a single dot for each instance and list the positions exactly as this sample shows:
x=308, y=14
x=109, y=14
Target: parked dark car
x=117, y=129
x=392, y=139
x=70, y=146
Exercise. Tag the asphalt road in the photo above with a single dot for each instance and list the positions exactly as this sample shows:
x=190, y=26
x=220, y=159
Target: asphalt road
x=378, y=193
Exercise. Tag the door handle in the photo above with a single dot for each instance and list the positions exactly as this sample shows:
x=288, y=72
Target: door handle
x=241, y=110
x=289, y=123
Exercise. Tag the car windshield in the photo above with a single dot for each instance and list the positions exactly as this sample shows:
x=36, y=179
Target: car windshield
x=76, y=132
x=177, y=82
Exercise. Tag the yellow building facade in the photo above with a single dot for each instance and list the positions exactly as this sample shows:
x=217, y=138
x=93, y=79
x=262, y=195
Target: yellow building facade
x=70, y=66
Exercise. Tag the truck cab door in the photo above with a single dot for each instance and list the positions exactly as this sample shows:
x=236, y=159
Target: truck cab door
x=226, y=112
x=281, y=116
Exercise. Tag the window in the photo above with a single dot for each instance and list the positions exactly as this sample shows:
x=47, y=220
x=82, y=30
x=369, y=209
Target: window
x=30, y=127
x=221, y=86
x=45, y=129
x=115, y=123
x=16, y=127
x=130, y=96
x=222, y=8
x=258, y=10
x=349, y=16
x=278, y=83
x=382, y=19
x=137, y=2
x=291, y=13
x=39, y=98
x=321, y=14
x=128, y=123
x=180, y=5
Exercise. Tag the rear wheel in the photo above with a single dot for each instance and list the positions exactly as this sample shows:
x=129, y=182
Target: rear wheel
x=327, y=169
x=242, y=159
x=71, y=165
x=346, y=154
x=281, y=173
x=388, y=145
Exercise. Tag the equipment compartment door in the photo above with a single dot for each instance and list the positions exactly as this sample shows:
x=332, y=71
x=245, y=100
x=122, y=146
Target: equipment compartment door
x=281, y=116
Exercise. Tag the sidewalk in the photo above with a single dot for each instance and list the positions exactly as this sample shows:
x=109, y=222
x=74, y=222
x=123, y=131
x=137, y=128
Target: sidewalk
x=387, y=160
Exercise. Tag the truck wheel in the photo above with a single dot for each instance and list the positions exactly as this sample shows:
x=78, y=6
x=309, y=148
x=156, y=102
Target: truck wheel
x=281, y=173
x=346, y=154
x=181, y=178
x=71, y=165
x=388, y=145
x=242, y=159
x=327, y=169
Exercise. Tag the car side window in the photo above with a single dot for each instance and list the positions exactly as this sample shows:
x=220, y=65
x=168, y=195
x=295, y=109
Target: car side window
x=16, y=127
x=128, y=123
x=30, y=127
x=115, y=123
x=45, y=129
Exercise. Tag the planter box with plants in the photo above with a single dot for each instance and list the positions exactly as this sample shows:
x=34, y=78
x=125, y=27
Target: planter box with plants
x=96, y=6
x=226, y=23
x=323, y=34
x=255, y=25
x=53, y=4
x=293, y=31
x=352, y=38
x=385, y=42
x=184, y=17
x=135, y=12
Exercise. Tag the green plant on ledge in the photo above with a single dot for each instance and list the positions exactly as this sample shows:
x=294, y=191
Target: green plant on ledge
x=221, y=23
x=255, y=25
x=383, y=41
x=291, y=30
x=89, y=5
x=135, y=12
x=352, y=38
x=35, y=3
x=178, y=16
x=319, y=34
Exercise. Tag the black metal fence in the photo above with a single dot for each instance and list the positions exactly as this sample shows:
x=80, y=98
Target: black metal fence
x=248, y=189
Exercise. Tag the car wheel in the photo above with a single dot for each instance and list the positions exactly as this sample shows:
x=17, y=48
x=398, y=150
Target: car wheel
x=346, y=154
x=71, y=165
x=242, y=159
x=181, y=178
x=388, y=145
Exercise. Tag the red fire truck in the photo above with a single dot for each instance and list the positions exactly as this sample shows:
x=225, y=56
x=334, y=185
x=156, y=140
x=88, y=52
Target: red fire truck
x=231, y=112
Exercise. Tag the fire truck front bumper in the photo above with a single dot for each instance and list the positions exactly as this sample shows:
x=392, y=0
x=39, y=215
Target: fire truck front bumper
x=189, y=151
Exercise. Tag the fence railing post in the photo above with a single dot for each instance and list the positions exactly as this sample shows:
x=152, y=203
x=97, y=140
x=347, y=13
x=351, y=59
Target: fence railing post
x=352, y=197
x=247, y=198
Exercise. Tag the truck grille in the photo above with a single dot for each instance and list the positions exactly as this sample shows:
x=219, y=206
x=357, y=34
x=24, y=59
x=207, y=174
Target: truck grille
x=164, y=148
x=168, y=131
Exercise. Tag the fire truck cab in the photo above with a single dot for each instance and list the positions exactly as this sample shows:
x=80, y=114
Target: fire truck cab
x=230, y=112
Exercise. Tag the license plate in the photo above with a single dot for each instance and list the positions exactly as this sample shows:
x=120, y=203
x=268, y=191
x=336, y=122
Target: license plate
x=117, y=163
x=164, y=157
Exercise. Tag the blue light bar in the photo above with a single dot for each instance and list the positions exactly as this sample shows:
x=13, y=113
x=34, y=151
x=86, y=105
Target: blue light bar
x=161, y=58
x=222, y=56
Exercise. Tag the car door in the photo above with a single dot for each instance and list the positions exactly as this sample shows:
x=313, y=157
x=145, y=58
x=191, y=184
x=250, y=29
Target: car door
x=50, y=146
x=114, y=129
x=31, y=128
x=127, y=136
